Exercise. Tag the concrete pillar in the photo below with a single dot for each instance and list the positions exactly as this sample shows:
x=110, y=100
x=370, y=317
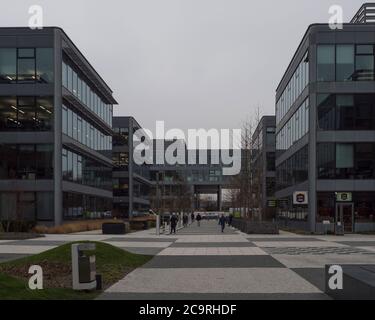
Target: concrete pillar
x=130, y=169
x=57, y=125
x=158, y=225
x=219, y=198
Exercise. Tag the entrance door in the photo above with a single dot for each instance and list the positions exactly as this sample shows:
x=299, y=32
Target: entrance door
x=345, y=214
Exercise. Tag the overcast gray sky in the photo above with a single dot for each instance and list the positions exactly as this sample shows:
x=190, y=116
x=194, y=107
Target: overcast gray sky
x=193, y=63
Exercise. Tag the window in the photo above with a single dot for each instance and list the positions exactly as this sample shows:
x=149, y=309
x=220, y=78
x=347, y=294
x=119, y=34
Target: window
x=344, y=155
x=8, y=65
x=326, y=111
x=345, y=112
x=364, y=61
x=44, y=113
x=64, y=120
x=65, y=75
x=26, y=65
x=326, y=63
x=26, y=113
x=44, y=65
x=344, y=62
x=325, y=161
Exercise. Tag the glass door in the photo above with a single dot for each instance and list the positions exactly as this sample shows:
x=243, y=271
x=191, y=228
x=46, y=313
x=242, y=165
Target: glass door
x=345, y=215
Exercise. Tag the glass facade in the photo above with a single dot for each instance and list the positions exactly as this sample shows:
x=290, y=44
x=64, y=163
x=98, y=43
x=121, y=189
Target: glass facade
x=121, y=136
x=26, y=206
x=296, y=127
x=86, y=171
x=80, y=206
x=85, y=94
x=346, y=111
x=345, y=62
x=26, y=65
x=364, y=204
x=26, y=113
x=84, y=132
x=26, y=161
x=346, y=160
x=294, y=88
x=294, y=170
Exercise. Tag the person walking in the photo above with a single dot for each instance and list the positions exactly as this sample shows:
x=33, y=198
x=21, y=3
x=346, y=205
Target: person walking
x=185, y=220
x=173, y=222
x=192, y=217
x=199, y=218
x=222, y=221
x=230, y=220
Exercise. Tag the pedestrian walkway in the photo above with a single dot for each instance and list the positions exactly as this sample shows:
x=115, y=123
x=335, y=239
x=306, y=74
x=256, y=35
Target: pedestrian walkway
x=203, y=263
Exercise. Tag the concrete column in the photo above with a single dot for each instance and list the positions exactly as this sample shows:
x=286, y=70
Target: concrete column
x=312, y=201
x=219, y=198
x=130, y=169
x=57, y=125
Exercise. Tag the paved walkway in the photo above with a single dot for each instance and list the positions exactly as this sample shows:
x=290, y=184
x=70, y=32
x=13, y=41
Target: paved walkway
x=203, y=263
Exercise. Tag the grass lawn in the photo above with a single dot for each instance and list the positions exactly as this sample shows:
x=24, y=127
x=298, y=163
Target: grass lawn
x=111, y=262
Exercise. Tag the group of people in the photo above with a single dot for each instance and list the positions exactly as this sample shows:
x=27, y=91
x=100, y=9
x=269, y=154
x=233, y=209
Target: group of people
x=223, y=220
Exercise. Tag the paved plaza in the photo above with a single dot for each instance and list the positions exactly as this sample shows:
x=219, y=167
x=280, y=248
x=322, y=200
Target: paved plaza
x=203, y=263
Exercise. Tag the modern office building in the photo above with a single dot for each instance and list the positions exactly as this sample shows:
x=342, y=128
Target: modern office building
x=180, y=187
x=325, y=129
x=131, y=181
x=55, y=130
x=263, y=173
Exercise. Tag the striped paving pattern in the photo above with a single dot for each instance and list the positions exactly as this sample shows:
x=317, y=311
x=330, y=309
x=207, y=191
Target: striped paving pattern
x=203, y=263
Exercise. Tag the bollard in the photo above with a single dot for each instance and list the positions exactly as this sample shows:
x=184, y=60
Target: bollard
x=158, y=225
x=83, y=267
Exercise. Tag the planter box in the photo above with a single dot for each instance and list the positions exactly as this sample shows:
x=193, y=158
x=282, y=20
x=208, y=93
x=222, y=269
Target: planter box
x=114, y=228
x=255, y=227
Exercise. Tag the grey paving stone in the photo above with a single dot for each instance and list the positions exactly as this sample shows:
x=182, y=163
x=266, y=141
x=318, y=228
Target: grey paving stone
x=211, y=244
x=280, y=239
x=135, y=239
x=37, y=243
x=213, y=296
x=213, y=262
x=358, y=243
x=144, y=251
x=316, y=276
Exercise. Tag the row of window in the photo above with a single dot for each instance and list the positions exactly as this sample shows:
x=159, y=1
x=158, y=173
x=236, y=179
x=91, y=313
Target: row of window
x=80, y=206
x=346, y=160
x=26, y=161
x=364, y=206
x=28, y=206
x=26, y=113
x=82, y=131
x=26, y=65
x=294, y=170
x=296, y=127
x=82, y=170
x=345, y=62
x=121, y=136
x=294, y=88
x=79, y=88
x=346, y=112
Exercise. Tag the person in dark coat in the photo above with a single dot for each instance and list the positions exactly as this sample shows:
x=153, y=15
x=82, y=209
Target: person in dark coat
x=173, y=221
x=230, y=220
x=199, y=218
x=222, y=221
x=192, y=217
